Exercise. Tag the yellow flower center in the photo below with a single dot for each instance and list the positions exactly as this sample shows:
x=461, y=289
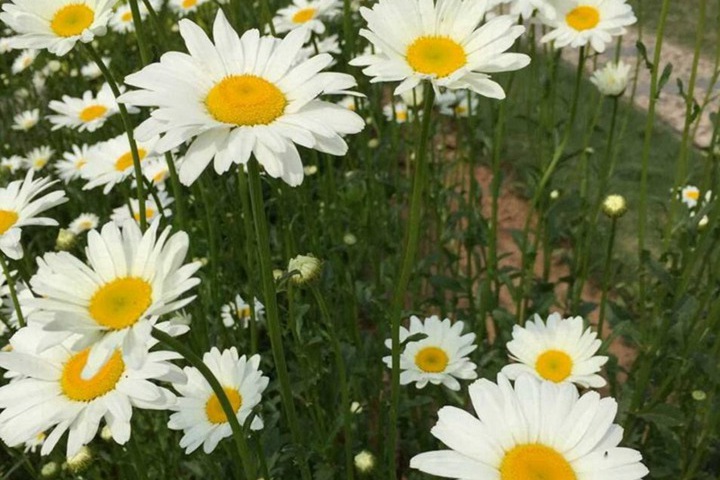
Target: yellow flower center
x=245, y=100
x=189, y=3
x=149, y=214
x=160, y=176
x=554, y=365
x=693, y=194
x=75, y=388
x=304, y=15
x=401, y=116
x=88, y=114
x=244, y=312
x=80, y=163
x=583, y=18
x=213, y=409
x=431, y=360
x=72, y=20
x=439, y=56
x=126, y=17
x=7, y=220
x=87, y=225
x=125, y=160
x=39, y=163
x=535, y=462
x=120, y=303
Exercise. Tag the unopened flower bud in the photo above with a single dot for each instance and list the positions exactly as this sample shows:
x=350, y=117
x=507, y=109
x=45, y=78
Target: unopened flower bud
x=80, y=461
x=65, y=240
x=364, y=461
x=614, y=206
x=306, y=268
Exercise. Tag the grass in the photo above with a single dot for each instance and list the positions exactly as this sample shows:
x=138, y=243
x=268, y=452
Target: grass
x=683, y=21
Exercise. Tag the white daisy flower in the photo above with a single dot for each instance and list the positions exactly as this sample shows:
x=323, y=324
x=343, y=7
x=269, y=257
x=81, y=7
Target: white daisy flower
x=53, y=398
x=152, y=210
x=37, y=158
x=111, y=162
x=156, y=170
x=122, y=19
x=56, y=24
x=458, y=103
x=689, y=195
x=72, y=163
x=612, y=80
x=26, y=120
x=525, y=8
x=5, y=44
x=402, y=113
x=534, y=430
x=241, y=96
x=13, y=163
x=114, y=301
x=418, y=40
x=87, y=113
x=84, y=223
x=199, y=413
x=440, y=358
x=91, y=71
x=20, y=202
x=348, y=102
x=183, y=7
x=307, y=14
x=23, y=61
x=558, y=351
x=581, y=22
x=240, y=310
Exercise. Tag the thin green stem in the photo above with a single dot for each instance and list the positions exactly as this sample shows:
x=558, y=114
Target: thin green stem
x=248, y=463
x=177, y=192
x=412, y=241
x=139, y=32
x=137, y=460
x=607, y=269
x=262, y=238
x=13, y=293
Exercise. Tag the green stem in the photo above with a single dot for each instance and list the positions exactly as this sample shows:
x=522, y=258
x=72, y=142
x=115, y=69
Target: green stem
x=177, y=192
x=249, y=249
x=13, y=293
x=137, y=461
x=139, y=32
x=262, y=239
x=129, y=130
x=248, y=463
x=606, y=277
x=412, y=240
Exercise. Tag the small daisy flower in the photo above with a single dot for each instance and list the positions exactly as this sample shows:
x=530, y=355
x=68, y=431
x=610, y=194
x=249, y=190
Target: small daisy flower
x=240, y=104
x=56, y=25
x=689, y=195
x=111, y=162
x=199, y=413
x=417, y=40
x=84, y=223
x=122, y=19
x=20, y=202
x=458, y=103
x=152, y=210
x=5, y=44
x=558, y=351
x=72, y=163
x=532, y=430
x=524, y=8
x=240, y=310
x=184, y=7
x=23, y=61
x=13, y=163
x=87, y=113
x=38, y=157
x=113, y=301
x=91, y=71
x=26, y=120
x=440, y=358
x=348, y=102
x=156, y=170
x=612, y=80
x=402, y=113
x=581, y=22
x=307, y=14
x=52, y=397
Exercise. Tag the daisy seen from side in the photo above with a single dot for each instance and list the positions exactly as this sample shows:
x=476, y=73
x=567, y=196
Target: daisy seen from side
x=240, y=310
x=308, y=14
x=26, y=120
x=242, y=96
x=561, y=351
x=72, y=163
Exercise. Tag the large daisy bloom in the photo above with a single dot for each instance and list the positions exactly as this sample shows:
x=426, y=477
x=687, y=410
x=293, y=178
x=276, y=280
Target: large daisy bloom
x=439, y=358
x=307, y=14
x=581, y=22
x=239, y=96
x=417, y=40
x=559, y=351
x=20, y=203
x=50, y=396
x=87, y=113
x=199, y=413
x=534, y=430
x=56, y=24
x=113, y=301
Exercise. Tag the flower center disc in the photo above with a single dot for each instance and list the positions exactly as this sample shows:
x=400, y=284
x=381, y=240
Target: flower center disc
x=7, y=220
x=535, y=462
x=244, y=312
x=431, y=360
x=189, y=3
x=127, y=17
x=693, y=194
x=438, y=56
x=72, y=20
x=120, y=303
x=149, y=214
x=554, y=365
x=75, y=388
x=245, y=100
x=213, y=409
x=125, y=160
x=304, y=15
x=583, y=18
x=92, y=112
